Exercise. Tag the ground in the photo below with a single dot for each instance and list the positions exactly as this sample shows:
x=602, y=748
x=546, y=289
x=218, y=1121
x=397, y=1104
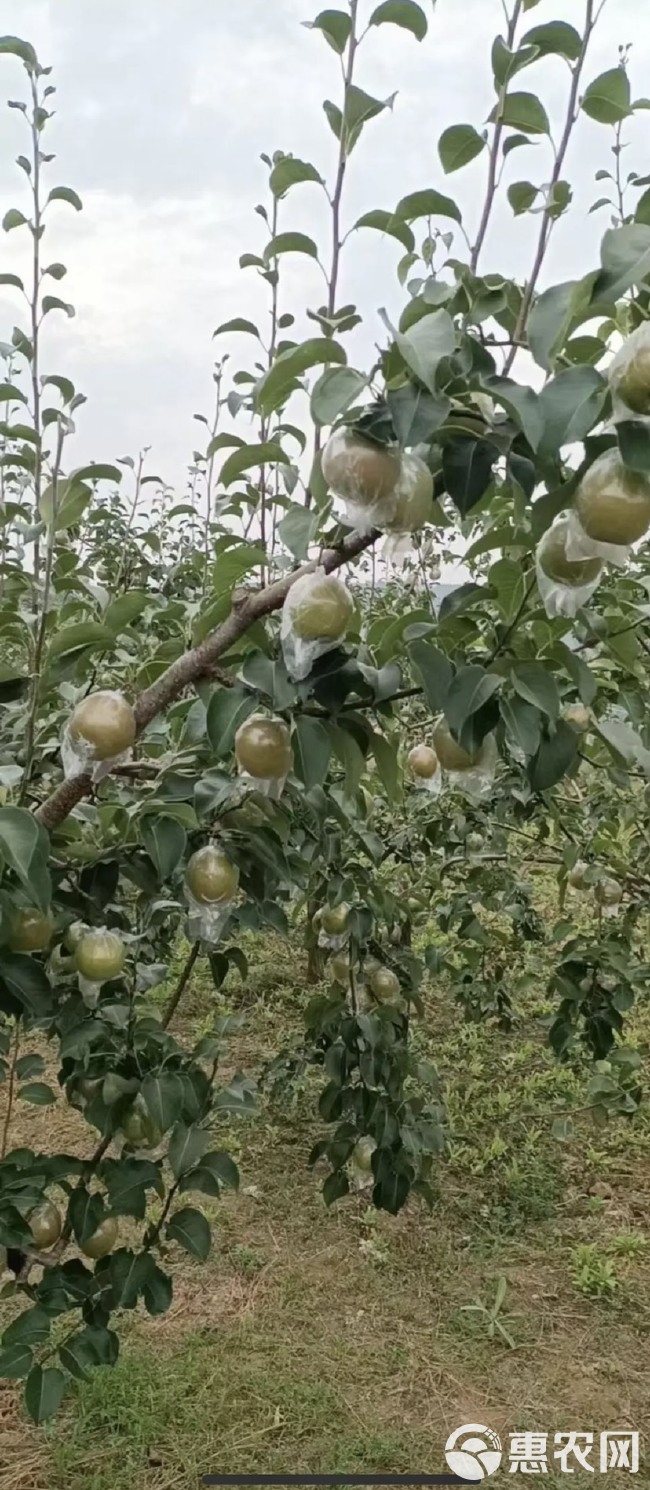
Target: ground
x=341, y=1339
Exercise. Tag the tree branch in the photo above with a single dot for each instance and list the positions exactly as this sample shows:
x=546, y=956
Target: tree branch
x=547, y=221
x=181, y=985
x=494, y=150
x=199, y=662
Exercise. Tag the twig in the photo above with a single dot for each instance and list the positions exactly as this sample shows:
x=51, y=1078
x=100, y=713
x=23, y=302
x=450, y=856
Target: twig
x=547, y=220
x=11, y=1089
x=494, y=149
x=513, y=624
x=181, y=985
x=42, y=624
x=337, y=194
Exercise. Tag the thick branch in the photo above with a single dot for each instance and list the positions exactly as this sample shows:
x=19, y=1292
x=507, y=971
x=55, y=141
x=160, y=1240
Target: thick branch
x=200, y=661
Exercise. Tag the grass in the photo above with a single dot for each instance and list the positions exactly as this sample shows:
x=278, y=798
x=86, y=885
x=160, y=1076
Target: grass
x=347, y=1340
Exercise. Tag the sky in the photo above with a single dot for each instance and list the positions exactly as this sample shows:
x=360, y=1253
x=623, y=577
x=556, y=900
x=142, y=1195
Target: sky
x=162, y=110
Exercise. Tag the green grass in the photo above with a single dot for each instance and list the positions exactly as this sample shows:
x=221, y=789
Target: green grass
x=340, y=1340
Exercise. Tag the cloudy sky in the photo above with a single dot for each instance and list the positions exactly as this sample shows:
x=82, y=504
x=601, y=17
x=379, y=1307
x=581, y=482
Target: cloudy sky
x=163, y=108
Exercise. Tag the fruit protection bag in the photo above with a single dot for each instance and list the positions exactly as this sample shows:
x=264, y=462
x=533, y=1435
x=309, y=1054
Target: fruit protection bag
x=301, y=645
x=78, y=756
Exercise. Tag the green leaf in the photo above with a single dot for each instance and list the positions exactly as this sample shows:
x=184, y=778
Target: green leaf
x=28, y=1066
x=571, y=403
x=44, y=1389
x=607, y=99
x=31, y=1327
x=522, y=111
x=233, y=562
x=96, y=471
x=556, y=753
x=334, y=391
x=237, y=324
x=514, y=142
x=521, y=195
x=349, y=754
x=86, y=634
x=291, y=172
x=556, y=37
x=425, y=344
x=549, y=322
x=533, y=682
x=190, y=1228
x=507, y=579
x=460, y=599
x=165, y=841
x=37, y=1092
x=458, y=145
x=403, y=13
x=625, y=259
x=27, y=983
x=335, y=1186
x=311, y=751
x=15, y=1361
x=266, y=676
x=269, y=453
x=86, y=1211
x=284, y=375
x=157, y=1290
x=634, y=444
x=335, y=26
x=13, y=219
x=217, y=1171
x=163, y=1095
x=13, y=280
x=10, y=394
x=125, y=609
x=467, y=470
x=624, y=743
x=523, y=724
x=72, y=498
x=334, y=118
x=90, y=1347
x=469, y=691
x=360, y=107
x=24, y=846
x=416, y=414
x=586, y=683
x=16, y=47
x=127, y=1181
x=385, y=753
x=387, y=222
x=297, y=529
x=186, y=1148
x=427, y=203
x=290, y=243
x=434, y=671
x=54, y=302
x=522, y=403
x=66, y=194
x=227, y=709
